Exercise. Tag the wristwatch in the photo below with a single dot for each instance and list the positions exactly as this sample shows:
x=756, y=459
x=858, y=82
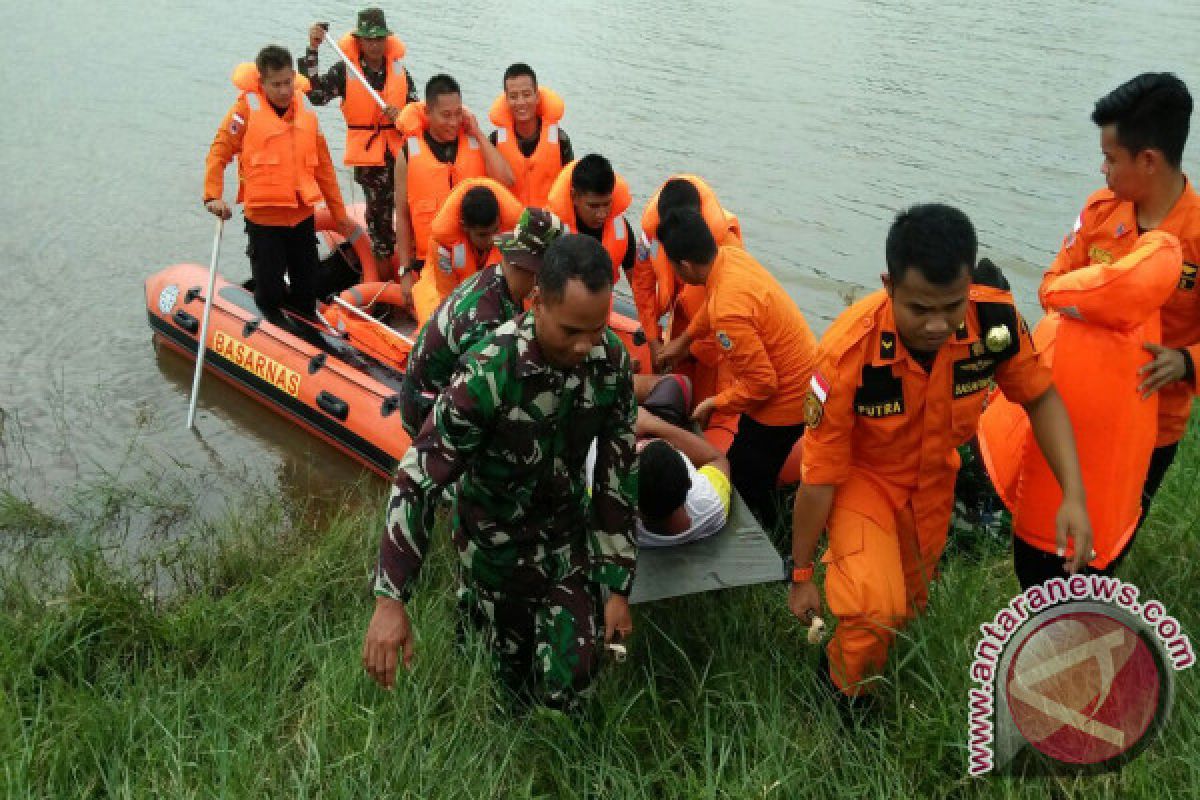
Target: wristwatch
x=794, y=574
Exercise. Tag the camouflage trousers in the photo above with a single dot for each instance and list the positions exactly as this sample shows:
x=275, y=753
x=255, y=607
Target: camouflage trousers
x=545, y=649
x=977, y=507
x=379, y=189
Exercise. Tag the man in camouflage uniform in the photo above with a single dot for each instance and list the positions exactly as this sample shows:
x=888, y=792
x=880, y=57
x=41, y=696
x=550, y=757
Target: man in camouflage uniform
x=512, y=432
x=377, y=182
x=472, y=310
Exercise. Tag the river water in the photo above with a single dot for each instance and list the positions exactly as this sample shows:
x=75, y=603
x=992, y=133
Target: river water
x=814, y=121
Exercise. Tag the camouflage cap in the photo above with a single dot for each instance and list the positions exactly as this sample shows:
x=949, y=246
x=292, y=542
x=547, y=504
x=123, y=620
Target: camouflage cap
x=527, y=243
x=371, y=24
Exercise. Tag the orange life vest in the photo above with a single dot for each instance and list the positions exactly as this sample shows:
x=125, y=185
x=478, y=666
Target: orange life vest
x=369, y=134
x=724, y=225
x=533, y=175
x=453, y=255
x=429, y=180
x=1099, y=318
x=278, y=163
x=615, y=237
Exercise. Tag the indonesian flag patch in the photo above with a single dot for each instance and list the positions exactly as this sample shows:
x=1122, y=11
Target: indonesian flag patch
x=814, y=400
x=236, y=123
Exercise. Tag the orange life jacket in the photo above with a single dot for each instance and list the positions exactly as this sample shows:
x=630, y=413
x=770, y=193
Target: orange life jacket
x=429, y=180
x=455, y=258
x=1099, y=318
x=533, y=175
x=369, y=134
x=724, y=225
x=615, y=237
x=278, y=163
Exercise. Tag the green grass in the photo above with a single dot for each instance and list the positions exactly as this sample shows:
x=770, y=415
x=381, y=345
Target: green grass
x=245, y=680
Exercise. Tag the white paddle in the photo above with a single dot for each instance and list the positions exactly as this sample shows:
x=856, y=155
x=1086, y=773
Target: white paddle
x=350, y=65
x=202, y=343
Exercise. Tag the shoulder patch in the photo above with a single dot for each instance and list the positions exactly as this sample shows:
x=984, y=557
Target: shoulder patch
x=887, y=344
x=724, y=340
x=814, y=410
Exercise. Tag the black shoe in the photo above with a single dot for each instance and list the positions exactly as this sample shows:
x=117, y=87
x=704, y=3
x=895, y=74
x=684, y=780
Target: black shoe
x=854, y=710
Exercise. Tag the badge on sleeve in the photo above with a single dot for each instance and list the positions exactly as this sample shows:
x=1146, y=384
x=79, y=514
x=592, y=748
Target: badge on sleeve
x=724, y=340
x=814, y=400
x=235, y=123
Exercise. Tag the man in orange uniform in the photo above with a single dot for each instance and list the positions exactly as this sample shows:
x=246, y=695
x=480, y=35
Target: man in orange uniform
x=443, y=147
x=284, y=170
x=528, y=135
x=372, y=140
x=899, y=384
x=1143, y=129
x=656, y=290
x=764, y=341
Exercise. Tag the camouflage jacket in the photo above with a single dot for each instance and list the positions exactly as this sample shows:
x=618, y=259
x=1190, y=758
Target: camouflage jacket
x=475, y=308
x=333, y=83
x=513, y=433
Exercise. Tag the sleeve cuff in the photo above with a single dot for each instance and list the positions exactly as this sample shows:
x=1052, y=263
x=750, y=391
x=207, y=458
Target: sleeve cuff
x=618, y=579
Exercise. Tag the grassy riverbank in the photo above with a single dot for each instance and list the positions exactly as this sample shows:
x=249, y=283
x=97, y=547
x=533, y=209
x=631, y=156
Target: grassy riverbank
x=247, y=683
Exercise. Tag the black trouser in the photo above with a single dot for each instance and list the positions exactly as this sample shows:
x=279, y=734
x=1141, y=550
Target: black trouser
x=1160, y=462
x=275, y=251
x=756, y=456
x=1035, y=567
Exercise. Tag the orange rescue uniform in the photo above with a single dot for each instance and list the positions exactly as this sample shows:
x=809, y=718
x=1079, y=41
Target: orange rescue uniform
x=430, y=180
x=1107, y=231
x=883, y=431
x=284, y=167
x=533, y=175
x=762, y=337
x=656, y=290
x=452, y=257
x=1092, y=340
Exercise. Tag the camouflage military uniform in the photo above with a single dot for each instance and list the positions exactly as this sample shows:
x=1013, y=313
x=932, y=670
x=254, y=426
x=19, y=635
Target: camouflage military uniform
x=513, y=432
x=470, y=312
x=378, y=183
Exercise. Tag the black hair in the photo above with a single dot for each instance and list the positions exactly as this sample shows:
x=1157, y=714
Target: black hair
x=685, y=236
x=593, y=175
x=1151, y=112
x=574, y=256
x=272, y=57
x=479, y=207
x=678, y=193
x=936, y=239
x=518, y=70
x=663, y=481
x=439, y=85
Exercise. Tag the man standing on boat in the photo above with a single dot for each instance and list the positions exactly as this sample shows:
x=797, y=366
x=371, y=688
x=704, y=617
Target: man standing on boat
x=284, y=170
x=479, y=305
x=511, y=432
x=528, y=135
x=372, y=141
x=443, y=146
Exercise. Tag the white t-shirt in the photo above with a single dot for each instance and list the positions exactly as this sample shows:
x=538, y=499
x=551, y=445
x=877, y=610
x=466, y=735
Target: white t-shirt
x=707, y=504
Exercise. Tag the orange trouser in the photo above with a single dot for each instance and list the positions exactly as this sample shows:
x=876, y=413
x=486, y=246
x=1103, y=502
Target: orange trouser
x=879, y=568
x=426, y=297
